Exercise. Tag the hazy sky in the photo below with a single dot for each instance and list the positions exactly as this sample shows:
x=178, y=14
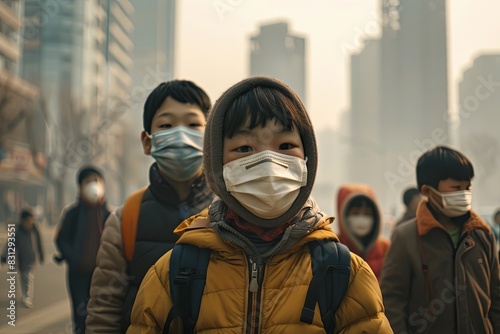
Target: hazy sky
x=213, y=42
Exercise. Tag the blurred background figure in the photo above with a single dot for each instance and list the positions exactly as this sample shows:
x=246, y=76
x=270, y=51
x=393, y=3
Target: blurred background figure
x=360, y=224
x=411, y=198
x=78, y=239
x=28, y=249
x=496, y=228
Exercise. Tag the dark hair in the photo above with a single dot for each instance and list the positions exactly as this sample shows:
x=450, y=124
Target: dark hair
x=25, y=213
x=87, y=171
x=263, y=104
x=359, y=201
x=441, y=163
x=496, y=215
x=409, y=194
x=180, y=90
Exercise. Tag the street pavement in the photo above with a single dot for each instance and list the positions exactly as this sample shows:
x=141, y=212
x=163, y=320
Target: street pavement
x=51, y=312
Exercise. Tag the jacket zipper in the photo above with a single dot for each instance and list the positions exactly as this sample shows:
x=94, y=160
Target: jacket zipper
x=253, y=313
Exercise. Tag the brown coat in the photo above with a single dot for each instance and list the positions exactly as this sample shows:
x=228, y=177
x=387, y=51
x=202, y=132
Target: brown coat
x=461, y=293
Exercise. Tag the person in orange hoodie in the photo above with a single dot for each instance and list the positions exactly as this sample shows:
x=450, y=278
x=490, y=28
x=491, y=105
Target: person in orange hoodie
x=360, y=222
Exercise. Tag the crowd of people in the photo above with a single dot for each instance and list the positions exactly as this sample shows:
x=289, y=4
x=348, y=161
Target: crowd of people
x=226, y=237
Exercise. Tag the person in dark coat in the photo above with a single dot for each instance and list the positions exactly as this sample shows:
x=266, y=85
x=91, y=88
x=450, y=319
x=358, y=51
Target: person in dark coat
x=174, y=118
x=411, y=199
x=496, y=229
x=24, y=252
x=78, y=239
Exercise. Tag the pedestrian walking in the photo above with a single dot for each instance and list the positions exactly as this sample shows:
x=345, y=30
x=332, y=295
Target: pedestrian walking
x=142, y=230
x=78, y=237
x=441, y=273
x=25, y=252
x=360, y=224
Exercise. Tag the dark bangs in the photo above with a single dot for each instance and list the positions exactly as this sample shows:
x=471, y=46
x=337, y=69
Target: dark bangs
x=183, y=91
x=442, y=163
x=262, y=104
x=359, y=201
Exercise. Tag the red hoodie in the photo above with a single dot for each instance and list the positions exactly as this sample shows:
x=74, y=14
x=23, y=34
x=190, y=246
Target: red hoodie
x=371, y=248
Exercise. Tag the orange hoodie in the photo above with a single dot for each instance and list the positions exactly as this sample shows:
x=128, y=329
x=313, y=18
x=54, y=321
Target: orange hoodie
x=371, y=248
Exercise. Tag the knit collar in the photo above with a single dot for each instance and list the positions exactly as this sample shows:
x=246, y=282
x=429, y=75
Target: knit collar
x=246, y=228
x=301, y=225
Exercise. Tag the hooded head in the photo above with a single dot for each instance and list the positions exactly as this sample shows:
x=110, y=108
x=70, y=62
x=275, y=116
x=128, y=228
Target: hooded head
x=252, y=103
x=353, y=201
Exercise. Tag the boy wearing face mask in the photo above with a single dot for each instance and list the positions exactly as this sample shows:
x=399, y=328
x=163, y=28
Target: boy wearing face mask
x=78, y=239
x=441, y=273
x=260, y=160
x=360, y=224
x=174, y=122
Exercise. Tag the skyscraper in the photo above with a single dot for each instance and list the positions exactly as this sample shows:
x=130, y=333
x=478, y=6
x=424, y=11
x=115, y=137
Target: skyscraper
x=399, y=102
x=479, y=117
x=154, y=40
x=154, y=62
x=78, y=53
x=414, y=71
x=365, y=116
x=21, y=150
x=414, y=94
x=278, y=53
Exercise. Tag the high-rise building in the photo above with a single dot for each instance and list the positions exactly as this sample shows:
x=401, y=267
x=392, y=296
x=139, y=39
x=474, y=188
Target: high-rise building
x=414, y=89
x=154, y=59
x=154, y=40
x=364, y=138
x=78, y=54
x=479, y=119
x=278, y=53
x=21, y=150
x=414, y=71
x=399, y=96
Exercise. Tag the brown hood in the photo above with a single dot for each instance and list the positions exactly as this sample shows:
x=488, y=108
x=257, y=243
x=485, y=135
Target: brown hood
x=347, y=193
x=213, y=152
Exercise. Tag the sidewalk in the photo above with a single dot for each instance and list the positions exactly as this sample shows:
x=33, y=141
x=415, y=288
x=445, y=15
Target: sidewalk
x=51, y=312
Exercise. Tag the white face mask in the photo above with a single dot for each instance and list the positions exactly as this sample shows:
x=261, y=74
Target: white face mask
x=360, y=225
x=266, y=183
x=456, y=203
x=93, y=192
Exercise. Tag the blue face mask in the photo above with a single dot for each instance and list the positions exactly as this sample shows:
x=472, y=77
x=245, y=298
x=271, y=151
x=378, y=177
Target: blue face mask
x=178, y=152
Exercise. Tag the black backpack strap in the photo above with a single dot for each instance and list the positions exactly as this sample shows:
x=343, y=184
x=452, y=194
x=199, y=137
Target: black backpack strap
x=187, y=276
x=331, y=265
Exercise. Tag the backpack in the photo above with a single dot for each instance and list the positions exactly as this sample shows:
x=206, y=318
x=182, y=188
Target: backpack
x=330, y=262
x=130, y=217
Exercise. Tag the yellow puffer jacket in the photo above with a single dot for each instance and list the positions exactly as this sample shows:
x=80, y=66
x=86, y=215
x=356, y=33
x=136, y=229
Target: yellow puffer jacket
x=224, y=307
